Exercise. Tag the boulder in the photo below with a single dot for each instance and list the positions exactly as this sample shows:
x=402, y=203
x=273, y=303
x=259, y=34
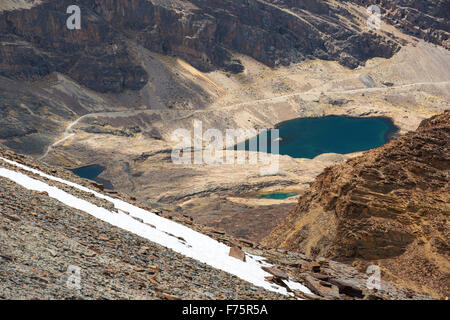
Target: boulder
x=321, y=288
x=347, y=288
x=237, y=253
x=276, y=272
x=315, y=267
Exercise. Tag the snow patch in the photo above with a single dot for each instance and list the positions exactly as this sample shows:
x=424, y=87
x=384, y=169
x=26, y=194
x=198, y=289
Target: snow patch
x=162, y=231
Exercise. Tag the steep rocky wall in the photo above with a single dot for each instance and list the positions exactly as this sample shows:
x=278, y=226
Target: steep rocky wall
x=428, y=20
x=206, y=33
x=36, y=42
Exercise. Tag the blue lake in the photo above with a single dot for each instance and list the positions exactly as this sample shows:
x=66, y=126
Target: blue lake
x=276, y=195
x=310, y=137
x=92, y=172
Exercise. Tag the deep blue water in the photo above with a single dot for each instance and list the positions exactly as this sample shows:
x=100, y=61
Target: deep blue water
x=276, y=195
x=92, y=172
x=310, y=137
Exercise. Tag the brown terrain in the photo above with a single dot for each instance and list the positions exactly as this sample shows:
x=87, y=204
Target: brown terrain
x=388, y=207
x=41, y=237
x=113, y=92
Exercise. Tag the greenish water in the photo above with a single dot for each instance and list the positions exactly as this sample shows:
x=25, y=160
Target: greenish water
x=310, y=137
x=92, y=172
x=276, y=195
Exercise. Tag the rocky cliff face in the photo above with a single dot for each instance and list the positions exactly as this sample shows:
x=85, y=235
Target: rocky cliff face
x=388, y=207
x=36, y=42
x=427, y=20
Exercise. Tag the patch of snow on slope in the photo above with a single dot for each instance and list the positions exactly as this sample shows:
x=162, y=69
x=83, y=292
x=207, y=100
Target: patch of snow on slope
x=162, y=231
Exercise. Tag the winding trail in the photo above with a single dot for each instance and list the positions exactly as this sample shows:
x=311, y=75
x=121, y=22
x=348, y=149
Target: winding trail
x=67, y=135
x=348, y=91
x=68, y=132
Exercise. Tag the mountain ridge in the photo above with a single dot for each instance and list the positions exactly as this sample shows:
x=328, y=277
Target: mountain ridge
x=206, y=34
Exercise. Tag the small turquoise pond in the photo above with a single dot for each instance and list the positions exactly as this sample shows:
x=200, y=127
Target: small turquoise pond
x=276, y=195
x=92, y=172
x=310, y=137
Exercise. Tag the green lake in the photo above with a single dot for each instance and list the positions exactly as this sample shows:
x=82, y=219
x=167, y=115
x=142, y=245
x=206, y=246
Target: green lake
x=92, y=172
x=276, y=195
x=310, y=137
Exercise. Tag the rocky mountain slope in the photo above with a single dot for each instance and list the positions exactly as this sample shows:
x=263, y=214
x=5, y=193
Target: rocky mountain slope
x=50, y=72
x=427, y=20
x=41, y=237
x=137, y=70
x=388, y=207
x=73, y=99
x=114, y=52
x=35, y=42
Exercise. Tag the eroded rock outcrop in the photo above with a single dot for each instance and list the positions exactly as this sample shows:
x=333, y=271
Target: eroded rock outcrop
x=36, y=42
x=428, y=20
x=388, y=207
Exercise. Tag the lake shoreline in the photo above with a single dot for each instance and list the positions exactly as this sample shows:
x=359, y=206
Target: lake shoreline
x=91, y=172
x=308, y=137
x=393, y=132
